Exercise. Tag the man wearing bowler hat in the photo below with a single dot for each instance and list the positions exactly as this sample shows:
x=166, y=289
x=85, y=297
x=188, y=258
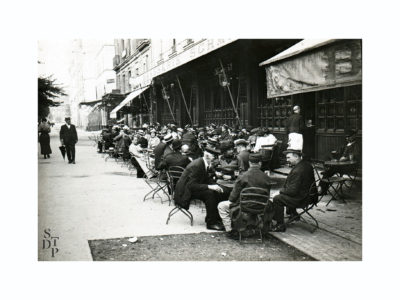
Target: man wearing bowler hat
x=195, y=183
x=69, y=138
x=296, y=188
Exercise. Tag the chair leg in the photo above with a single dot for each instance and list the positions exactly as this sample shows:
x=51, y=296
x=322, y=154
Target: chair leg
x=315, y=220
x=172, y=212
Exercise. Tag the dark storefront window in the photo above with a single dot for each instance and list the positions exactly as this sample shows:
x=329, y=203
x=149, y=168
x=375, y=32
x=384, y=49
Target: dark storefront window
x=336, y=107
x=275, y=111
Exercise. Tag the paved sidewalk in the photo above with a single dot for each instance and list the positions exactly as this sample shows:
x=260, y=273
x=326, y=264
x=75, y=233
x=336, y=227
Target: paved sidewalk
x=95, y=199
x=339, y=237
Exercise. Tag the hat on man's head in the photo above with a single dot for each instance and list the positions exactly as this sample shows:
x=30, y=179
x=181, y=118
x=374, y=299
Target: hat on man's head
x=67, y=118
x=213, y=142
x=241, y=142
x=254, y=158
x=296, y=107
x=125, y=127
x=213, y=151
x=295, y=151
x=153, y=130
x=254, y=130
x=140, y=132
x=180, y=130
x=168, y=138
x=226, y=145
x=350, y=132
x=176, y=144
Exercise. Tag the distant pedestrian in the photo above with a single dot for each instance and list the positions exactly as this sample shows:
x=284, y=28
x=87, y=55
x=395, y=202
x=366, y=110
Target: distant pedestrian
x=294, y=129
x=44, y=138
x=69, y=137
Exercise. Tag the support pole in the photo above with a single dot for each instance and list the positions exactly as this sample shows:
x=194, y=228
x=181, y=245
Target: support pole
x=230, y=94
x=169, y=106
x=184, y=100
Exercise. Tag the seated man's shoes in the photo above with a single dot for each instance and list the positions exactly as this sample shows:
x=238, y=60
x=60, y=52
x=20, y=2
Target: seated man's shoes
x=233, y=234
x=279, y=228
x=218, y=227
x=294, y=217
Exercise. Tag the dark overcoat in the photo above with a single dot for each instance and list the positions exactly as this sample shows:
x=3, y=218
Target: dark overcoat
x=69, y=136
x=298, y=182
x=194, y=179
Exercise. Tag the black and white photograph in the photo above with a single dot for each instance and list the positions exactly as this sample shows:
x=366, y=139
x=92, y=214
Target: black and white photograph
x=200, y=150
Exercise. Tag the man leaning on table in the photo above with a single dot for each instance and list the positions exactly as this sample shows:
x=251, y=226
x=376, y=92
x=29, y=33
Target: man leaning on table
x=254, y=177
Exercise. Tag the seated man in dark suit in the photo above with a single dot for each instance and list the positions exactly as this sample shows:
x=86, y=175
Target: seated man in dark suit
x=175, y=158
x=160, y=149
x=295, y=189
x=195, y=183
x=243, y=155
x=348, y=152
x=253, y=177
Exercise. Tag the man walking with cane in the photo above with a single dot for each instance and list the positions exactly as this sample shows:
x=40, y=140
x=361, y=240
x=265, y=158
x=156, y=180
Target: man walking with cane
x=69, y=138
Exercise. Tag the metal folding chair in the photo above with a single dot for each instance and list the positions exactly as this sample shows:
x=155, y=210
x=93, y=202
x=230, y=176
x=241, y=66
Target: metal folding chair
x=335, y=186
x=253, y=201
x=310, y=201
x=174, y=173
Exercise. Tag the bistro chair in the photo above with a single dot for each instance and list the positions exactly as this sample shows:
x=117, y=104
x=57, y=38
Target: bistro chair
x=157, y=181
x=310, y=201
x=174, y=173
x=334, y=186
x=255, y=202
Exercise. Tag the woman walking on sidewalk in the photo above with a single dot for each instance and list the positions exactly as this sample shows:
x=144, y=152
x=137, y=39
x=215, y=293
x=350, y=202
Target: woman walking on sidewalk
x=44, y=138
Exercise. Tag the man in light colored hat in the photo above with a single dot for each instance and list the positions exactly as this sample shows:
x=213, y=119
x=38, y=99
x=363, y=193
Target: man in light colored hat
x=296, y=188
x=294, y=129
x=254, y=177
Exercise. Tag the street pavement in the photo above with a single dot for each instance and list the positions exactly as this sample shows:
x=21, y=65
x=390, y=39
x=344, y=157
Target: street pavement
x=94, y=199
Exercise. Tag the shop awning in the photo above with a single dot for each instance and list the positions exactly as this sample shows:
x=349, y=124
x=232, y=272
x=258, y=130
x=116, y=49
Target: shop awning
x=124, y=102
x=312, y=65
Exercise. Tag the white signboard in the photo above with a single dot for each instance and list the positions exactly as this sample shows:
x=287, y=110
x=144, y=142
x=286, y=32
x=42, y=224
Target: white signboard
x=200, y=49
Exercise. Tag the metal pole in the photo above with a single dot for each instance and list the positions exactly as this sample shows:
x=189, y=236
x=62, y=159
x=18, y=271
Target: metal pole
x=184, y=100
x=230, y=94
x=170, y=109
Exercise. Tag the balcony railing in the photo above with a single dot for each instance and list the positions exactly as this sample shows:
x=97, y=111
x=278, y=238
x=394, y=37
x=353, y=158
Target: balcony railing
x=143, y=44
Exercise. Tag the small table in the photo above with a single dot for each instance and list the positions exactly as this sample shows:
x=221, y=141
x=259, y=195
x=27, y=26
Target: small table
x=336, y=163
x=340, y=167
x=230, y=183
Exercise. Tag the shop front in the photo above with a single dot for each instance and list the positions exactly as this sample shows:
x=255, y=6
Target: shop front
x=324, y=78
x=222, y=87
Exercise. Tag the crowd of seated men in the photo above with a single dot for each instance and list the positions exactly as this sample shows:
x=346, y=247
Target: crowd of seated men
x=242, y=155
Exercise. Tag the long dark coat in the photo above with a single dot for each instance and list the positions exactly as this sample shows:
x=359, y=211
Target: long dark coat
x=69, y=136
x=194, y=178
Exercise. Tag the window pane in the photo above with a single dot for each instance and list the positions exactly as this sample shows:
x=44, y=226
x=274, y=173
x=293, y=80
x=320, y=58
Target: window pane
x=352, y=123
x=339, y=123
x=321, y=123
x=330, y=123
x=339, y=109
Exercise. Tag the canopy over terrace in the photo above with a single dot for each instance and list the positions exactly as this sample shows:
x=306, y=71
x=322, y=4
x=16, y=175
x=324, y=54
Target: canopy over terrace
x=124, y=102
x=312, y=65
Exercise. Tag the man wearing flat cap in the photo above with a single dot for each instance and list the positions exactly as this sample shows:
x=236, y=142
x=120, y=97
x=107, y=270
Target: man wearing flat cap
x=195, y=183
x=254, y=177
x=68, y=138
x=296, y=188
x=243, y=155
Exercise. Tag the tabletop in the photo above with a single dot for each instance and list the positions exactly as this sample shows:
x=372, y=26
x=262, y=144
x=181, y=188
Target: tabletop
x=340, y=163
x=231, y=183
